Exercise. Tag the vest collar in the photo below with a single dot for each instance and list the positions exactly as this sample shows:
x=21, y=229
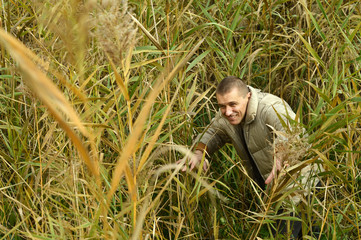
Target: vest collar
x=252, y=105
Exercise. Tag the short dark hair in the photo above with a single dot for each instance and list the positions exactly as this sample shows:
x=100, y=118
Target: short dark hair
x=231, y=82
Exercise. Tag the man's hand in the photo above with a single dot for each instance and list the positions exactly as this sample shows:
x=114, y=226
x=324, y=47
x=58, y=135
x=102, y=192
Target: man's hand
x=194, y=160
x=277, y=167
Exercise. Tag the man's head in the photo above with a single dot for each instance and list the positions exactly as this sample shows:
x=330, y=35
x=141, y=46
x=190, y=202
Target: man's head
x=233, y=96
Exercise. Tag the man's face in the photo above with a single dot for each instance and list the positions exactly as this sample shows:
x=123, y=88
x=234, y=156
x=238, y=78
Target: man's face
x=233, y=106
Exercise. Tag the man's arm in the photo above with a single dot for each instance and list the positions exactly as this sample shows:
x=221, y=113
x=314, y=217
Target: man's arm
x=212, y=139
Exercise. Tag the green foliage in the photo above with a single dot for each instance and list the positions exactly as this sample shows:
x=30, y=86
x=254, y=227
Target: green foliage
x=103, y=97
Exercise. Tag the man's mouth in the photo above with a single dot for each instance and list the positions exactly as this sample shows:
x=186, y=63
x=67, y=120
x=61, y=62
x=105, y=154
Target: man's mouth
x=231, y=117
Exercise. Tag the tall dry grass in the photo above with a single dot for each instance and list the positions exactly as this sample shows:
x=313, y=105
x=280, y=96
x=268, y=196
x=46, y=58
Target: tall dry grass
x=100, y=99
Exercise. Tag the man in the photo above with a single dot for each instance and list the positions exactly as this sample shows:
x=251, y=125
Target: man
x=248, y=119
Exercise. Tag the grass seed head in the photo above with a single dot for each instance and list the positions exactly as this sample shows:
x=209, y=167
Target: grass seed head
x=291, y=146
x=26, y=91
x=114, y=28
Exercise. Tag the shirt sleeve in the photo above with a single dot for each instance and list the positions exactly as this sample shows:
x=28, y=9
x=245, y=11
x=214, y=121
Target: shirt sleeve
x=213, y=138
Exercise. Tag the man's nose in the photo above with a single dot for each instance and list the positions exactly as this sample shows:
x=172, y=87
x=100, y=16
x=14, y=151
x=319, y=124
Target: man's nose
x=228, y=111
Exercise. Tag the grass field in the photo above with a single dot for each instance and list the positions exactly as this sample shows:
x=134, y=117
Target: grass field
x=99, y=99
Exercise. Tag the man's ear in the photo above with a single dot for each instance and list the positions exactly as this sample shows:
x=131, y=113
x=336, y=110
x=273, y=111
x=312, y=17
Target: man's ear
x=249, y=94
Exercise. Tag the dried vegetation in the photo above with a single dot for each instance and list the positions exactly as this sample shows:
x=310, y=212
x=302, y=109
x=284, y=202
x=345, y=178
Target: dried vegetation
x=92, y=91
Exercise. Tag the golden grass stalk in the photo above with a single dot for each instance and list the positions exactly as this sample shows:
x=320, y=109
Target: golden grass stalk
x=51, y=96
x=138, y=129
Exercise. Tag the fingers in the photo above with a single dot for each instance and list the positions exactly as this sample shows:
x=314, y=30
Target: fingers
x=185, y=166
x=193, y=162
x=191, y=166
x=270, y=178
x=205, y=165
x=181, y=161
x=277, y=167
